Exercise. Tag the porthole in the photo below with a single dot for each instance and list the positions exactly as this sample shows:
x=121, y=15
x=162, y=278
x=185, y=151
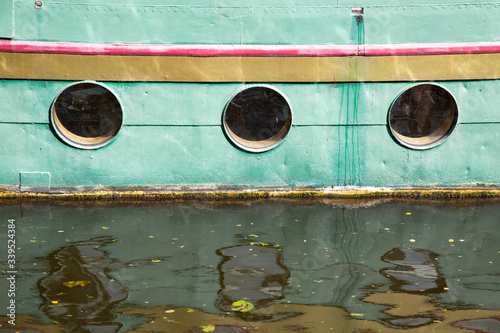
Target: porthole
x=423, y=116
x=257, y=119
x=86, y=115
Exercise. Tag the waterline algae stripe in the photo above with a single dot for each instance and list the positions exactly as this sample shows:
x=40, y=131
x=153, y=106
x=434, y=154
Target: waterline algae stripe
x=166, y=195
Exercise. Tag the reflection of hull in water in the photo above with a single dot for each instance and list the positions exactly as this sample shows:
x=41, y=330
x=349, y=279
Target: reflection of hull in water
x=299, y=317
x=344, y=260
x=79, y=293
x=303, y=318
x=352, y=102
x=251, y=273
x=485, y=325
x=417, y=271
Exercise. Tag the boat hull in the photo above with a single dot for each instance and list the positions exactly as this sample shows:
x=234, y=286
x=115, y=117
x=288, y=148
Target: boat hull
x=174, y=87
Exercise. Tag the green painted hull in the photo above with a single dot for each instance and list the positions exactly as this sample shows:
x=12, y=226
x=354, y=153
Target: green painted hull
x=255, y=22
x=172, y=136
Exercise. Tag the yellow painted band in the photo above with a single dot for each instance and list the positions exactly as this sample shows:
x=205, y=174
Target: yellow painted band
x=249, y=69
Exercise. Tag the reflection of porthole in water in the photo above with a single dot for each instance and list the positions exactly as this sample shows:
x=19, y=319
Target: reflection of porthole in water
x=257, y=119
x=86, y=115
x=423, y=116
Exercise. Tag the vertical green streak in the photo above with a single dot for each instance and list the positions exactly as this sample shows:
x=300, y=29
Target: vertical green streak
x=351, y=150
x=340, y=175
x=347, y=145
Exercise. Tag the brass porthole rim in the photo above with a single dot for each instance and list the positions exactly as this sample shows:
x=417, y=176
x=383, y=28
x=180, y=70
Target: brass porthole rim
x=77, y=141
x=400, y=138
x=239, y=142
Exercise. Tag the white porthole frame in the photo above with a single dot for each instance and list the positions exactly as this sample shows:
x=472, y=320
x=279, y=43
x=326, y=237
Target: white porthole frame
x=256, y=148
x=444, y=135
x=77, y=141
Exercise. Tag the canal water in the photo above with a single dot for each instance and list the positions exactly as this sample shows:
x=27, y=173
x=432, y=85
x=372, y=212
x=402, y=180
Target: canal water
x=251, y=266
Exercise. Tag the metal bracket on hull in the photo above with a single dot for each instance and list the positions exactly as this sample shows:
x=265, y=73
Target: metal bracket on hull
x=34, y=181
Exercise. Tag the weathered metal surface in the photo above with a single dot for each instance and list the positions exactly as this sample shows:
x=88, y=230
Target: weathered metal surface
x=310, y=156
x=190, y=104
x=173, y=137
x=7, y=19
x=263, y=22
x=339, y=137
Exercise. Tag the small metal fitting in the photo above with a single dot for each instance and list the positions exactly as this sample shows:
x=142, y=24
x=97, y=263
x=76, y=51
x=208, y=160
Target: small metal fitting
x=357, y=11
x=357, y=14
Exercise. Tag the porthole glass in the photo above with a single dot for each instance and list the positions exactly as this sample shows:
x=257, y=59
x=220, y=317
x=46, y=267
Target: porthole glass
x=423, y=116
x=86, y=115
x=257, y=119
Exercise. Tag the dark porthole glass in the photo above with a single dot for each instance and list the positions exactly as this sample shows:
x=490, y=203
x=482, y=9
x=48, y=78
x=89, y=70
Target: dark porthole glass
x=423, y=116
x=257, y=119
x=86, y=115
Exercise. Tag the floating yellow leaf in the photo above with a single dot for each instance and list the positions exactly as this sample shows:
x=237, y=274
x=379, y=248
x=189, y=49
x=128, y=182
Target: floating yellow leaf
x=105, y=227
x=55, y=302
x=156, y=260
x=208, y=328
x=259, y=243
x=71, y=284
x=357, y=314
x=242, y=306
x=170, y=311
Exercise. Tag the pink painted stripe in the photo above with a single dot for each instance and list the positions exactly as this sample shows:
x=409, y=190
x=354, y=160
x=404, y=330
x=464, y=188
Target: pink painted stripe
x=177, y=50
x=430, y=48
x=248, y=50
